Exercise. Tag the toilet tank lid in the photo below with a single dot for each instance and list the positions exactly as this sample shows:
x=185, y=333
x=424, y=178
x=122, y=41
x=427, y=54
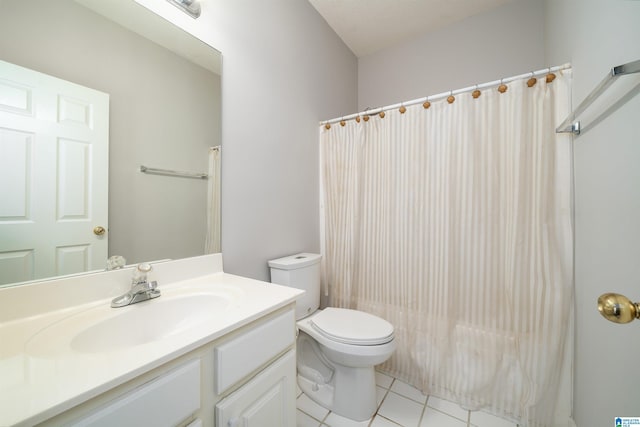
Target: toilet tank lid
x=296, y=261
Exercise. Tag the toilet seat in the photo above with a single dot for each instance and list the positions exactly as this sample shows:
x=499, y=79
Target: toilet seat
x=352, y=327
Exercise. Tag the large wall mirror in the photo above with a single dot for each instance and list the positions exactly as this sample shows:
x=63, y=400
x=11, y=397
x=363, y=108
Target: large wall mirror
x=162, y=92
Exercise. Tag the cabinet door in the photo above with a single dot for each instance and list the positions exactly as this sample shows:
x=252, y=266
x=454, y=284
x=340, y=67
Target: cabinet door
x=266, y=400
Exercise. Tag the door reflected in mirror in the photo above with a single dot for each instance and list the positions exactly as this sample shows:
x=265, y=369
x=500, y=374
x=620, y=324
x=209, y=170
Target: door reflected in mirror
x=163, y=111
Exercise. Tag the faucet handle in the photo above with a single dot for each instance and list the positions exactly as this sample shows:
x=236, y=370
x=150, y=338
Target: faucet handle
x=140, y=273
x=144, y=267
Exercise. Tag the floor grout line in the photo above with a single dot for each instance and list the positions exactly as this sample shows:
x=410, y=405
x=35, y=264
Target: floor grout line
x=390, y=420
x=409, y=398
x=385, y=395
x=309, y=415
x=325, y=417
x=424, y=408
x=451, y=415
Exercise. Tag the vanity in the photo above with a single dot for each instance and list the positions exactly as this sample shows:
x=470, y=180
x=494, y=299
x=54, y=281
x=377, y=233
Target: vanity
x=213, y=349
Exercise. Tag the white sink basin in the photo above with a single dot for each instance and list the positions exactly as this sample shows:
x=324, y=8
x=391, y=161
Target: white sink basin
x=103, y=329
x=148, y=321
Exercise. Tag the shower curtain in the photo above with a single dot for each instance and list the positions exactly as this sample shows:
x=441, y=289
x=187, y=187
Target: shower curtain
x=212, y=239
x=453, y=222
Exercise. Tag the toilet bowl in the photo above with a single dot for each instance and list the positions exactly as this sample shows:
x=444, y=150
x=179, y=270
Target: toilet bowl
x=336, y=367
x=337, y=348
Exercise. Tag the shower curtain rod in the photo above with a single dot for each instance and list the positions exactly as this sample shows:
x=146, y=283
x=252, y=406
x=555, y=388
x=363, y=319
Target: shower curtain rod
x=442, y=95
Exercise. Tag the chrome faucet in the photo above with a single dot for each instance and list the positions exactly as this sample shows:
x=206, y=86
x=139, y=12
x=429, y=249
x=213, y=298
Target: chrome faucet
x=141, y=290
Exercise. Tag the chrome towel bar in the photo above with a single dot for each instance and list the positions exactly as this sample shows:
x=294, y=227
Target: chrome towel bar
x=570, y=124
x=169, y=172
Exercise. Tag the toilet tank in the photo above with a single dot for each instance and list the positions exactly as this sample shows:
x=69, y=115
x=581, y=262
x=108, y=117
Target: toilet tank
x=300, y=271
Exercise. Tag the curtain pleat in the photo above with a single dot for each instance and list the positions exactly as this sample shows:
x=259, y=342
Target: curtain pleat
x=454, y=224
x=212, y=239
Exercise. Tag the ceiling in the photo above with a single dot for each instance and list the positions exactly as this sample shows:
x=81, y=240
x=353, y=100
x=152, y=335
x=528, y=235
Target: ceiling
x=367, y=26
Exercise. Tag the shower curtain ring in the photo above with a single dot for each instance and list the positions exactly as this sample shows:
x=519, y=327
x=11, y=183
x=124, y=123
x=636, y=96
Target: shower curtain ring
x=451, y=98
x=532, y=80
x=476, y=93
x=426, y=104
x=550, y=76
x=365, y=116
x=342, y=122
x=503, y=87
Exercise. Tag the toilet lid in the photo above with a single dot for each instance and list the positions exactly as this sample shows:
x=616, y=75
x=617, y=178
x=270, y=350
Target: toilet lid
x=352, y=326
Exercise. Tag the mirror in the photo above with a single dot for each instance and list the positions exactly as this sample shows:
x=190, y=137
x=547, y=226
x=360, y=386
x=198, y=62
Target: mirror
x=163, y=112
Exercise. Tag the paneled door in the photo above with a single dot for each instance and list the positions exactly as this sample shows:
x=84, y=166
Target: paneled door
x=54, y=159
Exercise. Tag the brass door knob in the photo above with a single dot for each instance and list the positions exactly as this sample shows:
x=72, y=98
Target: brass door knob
x=99, y=231
x=618, y=308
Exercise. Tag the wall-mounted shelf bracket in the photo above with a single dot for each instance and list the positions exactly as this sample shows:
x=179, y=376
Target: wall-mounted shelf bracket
x=574, y=128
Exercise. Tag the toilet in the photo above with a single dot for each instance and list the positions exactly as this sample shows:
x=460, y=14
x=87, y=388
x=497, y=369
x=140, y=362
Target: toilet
x=337, y=348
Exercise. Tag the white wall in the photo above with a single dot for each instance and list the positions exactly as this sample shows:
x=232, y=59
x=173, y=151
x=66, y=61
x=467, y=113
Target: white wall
x=283, y=70
x=502, y=42
x=595, y=35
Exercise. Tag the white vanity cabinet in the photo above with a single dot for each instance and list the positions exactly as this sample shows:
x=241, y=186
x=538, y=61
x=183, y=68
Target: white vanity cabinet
x=266, y=400
x=243, y=378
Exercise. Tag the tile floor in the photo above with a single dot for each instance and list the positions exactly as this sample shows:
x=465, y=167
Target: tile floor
x=399, y=404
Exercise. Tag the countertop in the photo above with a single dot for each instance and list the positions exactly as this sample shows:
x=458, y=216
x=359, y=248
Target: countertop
x=42, y=377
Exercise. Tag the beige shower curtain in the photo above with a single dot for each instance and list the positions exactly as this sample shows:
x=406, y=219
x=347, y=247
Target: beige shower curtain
x=454, y=223
x=212, y=239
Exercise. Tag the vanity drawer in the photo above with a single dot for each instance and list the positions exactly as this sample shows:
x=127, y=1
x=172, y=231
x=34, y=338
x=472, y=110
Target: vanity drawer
x=238, y=357
x=164, y=401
